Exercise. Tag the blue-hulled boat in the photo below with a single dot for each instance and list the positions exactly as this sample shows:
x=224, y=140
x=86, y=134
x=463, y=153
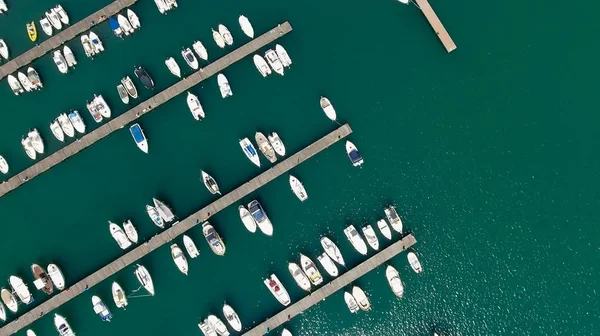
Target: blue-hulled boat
x=138, y=136
x=116, y=28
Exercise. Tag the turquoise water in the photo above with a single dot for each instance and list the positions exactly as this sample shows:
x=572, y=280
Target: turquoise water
x=489, y=153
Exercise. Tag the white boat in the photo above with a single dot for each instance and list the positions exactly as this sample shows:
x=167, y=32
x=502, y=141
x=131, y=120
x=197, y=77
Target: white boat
x=139, y=137
x=232, y=317
x=190, y=58
x=298, y=188
x=62, y=326
x=277, y=144
x=190, y=246
x=276, y=288
x=247, y=219
x=102, y=106
x=332, y=250
x=56, y=275
x=207, y=329
x=210, y=183
x=299, y=276
x=65, y=124
x=3, y=49
x=163, y=210
x=133, y=19
x=195, y=107
x=101, y=309
x=36, y=140
x=25, y=82
x=218, y=39
x=3, y=7
x=218, y=325
x=171, y=4
x=224, y=86
x=213, y=239
x=351, y=302
x=393, y=218
x=274, y=61
x=143, y=276
x=119, y=295
x=393, y=279
x=286, y=332
x=60, y=61
x=14, y=84
x=414, y=262
x=130, y=87
x=371, y=237
x=265, y=147
x=353, y=154
x=52, y=16
x=250, y=151
x=361, y=298
x=91, y=106
x=88, y=47
x=46, y=26
x=77, y=121
x=130, y=231
x=261, y=65
x=179, y=259
x=260, y=217
x=226, y=34
x=162, y=6
x=96, y=42
x=28, y=147
x=34, y=78
x=123, y=94
x=311, y=271
x=2, y=312
x=384, y=228
x=3, y=165
x=283, y=56
x=21, y=289
x=69, y=57
x=328, y=264
x=125, y=25
x=153, y=214
x=9, y=300
x=119, y=235
x=246, y=26
x=62, y=14
x=30, y=333
x=57, y=131
x=355, y=239
x=200, y=50
x=328, y=108
x=173, y=67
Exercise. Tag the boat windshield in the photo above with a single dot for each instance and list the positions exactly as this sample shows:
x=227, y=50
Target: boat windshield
x=257, y=214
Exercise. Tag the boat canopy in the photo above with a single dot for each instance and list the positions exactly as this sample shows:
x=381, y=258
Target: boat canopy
x=136, y=131
x=355, y=156
x=114, y=24
x=39, y=283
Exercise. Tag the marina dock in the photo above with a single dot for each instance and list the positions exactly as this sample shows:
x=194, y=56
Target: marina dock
x=64, y=36
x=328, y=289
x=171, y=233
x=436, y=24
x=149, y=105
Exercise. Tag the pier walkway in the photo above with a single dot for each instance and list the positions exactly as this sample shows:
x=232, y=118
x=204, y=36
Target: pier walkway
x=333, y=286
x=436, y=24
x=63, y=36
x=171, y=233
x=139, y=110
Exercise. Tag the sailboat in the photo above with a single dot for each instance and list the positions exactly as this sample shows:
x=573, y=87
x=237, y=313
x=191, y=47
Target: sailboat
x=250, y=151
x=46, y=26
x=101, y=309
x=218, y=39
x=200, y=50
x=274, y=61
x=133, y=18
x=34, y=78
x=355, y=239
x=298, y=188
x=195, y=107
x=163, y=210
x=310, y=270
x=173, y=67
x=139, y=137
x=60, y=61
x=119, y=236
x=277, y=144
x=57, y=131
x=218, y=325
x=328, y=264
x=210, y=183
x=361, y=298
x=226, y=34
x=332, y=250
x=190, y=246
x=36, y=140
x=393, y=218
x=328, y=108
x=71, y=61
x=14, y=84
x=247, y=219
x=130, y=231
x=3, y=165
x=143, y=276
x=351, y=302
x=299, y=276
x=353, y=154
x=384, y=228
x=232, y=317
x=42, y=281
x=260, y=217
x=261, y=65
x=190, y=58
x=276, y=288
x=21, y=289
x=414, y=262
x=62, y=326
x=154, y=216
x=28, y=147
x=224, y=86
x=393, y=278
x=283, y=56
x=118, y=295
x=130, y=87
x=214, y=240
x=77, y=122
x=265, y=147
x=123, y=94
x=9, y=300
x=371, y=237
x=88, y=47
x=246, y=26
x=179, y=259
x=56, y=276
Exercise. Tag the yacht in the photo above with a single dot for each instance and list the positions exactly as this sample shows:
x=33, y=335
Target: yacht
x=260, y=217
x=207, y=329
x=299, y=276
x=276, y=288
x=9, y=300
x=246, y=26
x=96, y=42
x=355, y=239
x=218, y=39
x=91, y=106
x=218, y=325
x=190, y=246
x=56, y=276
x=66, y=125
x=88, y=48
x=250, y=151
x=298, y=188
x=57, y=131
x=14, y=84
x=130, y=231
x=46, y=26
x=265, y=147
x=25, y=82
x=116, y=27
x=414, y=262
x=353, y=154
x=214, y=240
x=393, y=278
x=36, y=140
x=102, y=106
x=101, y=309
x=62, y=326
x=247, y=219
x=119, y=295
x=3, y=165
x=328, y=264
x=200, y=50
x=226, y=34
x=283, y=56
x=195, y=107
x=133, y=18
x=119, y=236
x=361, y=298
x=261, y=65
x=138, y=136
x=62, y=14
x=163, y=210
x=21, y=289
x=28, y=147
x=77, y=121
x=232, y=317
x=351, y=302
x=42, y=281
x=179, y=259
x=52, y=16
x=384, y=228
x=143, y=75
x=143, y=276
x=123, y=94
x=210, y=183
x=310, y=270
x=125, y=25
x=277, y=144
x=130, y=87
x=190, y=58
x=34, y=78
x=328, y=108
x=274, y=61
x=332, y=251
x=224, y=86
x=69, y=57
x=393, y=218
x=371, y=237
x=60, y=61
x=153, y=214
x=173, y=67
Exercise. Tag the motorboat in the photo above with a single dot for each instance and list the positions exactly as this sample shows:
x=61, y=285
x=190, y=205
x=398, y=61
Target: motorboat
x=119, y=235
x=60, y=61
x=384, y=228
x=163, y=210
x=283, y=56
x=102, y=106
x=3, y=7
x=214, y=240
x=143, y=76
x=250, y=151
x=393, y=278
x=328, y=108
x=162, y=6
x=77, y=121
x=56, y=275
x=311, y=271
x=353, y=154
x=200, y=50
x=123, y=94
x=328, y=264
x=57, y=131
x=218, y=325
x=130, y=87
x=91, y=106
x=133, y=19
x=299, y=276
x=332, y=251
x=21, y=289
x=246, y=26
x=115, y=27
x=9, y=300
x=130, y=231
x=42, y=281
x=226, y=34
x=232, y=317
x=62, y=326
x=25, y=82
x=393, y=218
x=277, y=144
x=179, y=259
x=210, y=183
x=125, y=24
x=34, y=78
x=274, y=61
x=276, y=288
x=3, y=165
x=298, y=188
x=190, y=58
x=224, y=86
x=247, y=219
x=154, y=216
x=286, y=332
x=96, y=42
x=371, y=237
x=195, y=107
x=265, y=147
x=119, y=295
x=355, y=239
x=2, y=312
x=88, y=48
x=3, y=49
x=260, y=217
x=65, y=125
x=190, y=246
x=31, y=31
x=69, y=57
x=52, y=16
x=173, y=67
x=414, y=262
x=171, y=4
x=206, y=328
x=143, y=276
x=101, y=309
x=62, y=14
x=138, y=136
x=14, y=84
x=261, y=65
x=30, y=333
x=46, y=26
x=28, y=147
x=361, y=298
x=36, y=140
x=218, y=38
x=351, y=302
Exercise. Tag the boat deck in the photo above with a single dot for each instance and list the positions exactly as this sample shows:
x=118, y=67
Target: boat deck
x=328, y=289
x=147, y=106
x=64, y=36
x=171, y=233
x=436, y=24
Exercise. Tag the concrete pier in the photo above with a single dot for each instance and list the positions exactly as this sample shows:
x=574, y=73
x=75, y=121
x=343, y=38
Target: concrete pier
x=171, y=233
x=436, y=24
x=143, y=108
x=328, y=289
x=63, y=36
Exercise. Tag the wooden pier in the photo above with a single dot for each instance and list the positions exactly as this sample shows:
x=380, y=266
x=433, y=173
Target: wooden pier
x=436, y=24
x=144, y=107
x=171, y=233
x=63, y=36
x=328, y=289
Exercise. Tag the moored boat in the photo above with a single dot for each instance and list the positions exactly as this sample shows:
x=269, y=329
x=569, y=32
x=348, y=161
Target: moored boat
x=3, y=7
x=232, y=317
x=52, y=16
x=355, y=239
x=414, y=262
x=250, y=151
x=102, y=106
x=31, y=31
x=224, y=86
x=274, y=61
x=179, y=259
x=60, y=61
x=143, y=276
x=130, y=87
x=298, y=188
x=62, y=326
x=218, y=325
x=226, y=34
x=46, y=26
x=56, y=275
x=36, y=140
x=173, y=67
x=299, y=276
x=361, y=298
x=30, y=333
x=125, y=24
x=393, y=218
x=286, y=332
x=133, y=19
x=283, y=55
x=163, y=210
x=332, y=251
x=276, y=288
x=96, y=42
x=328, y=108
x=2, y=312
x=393, y=278
x=371, y=237
x=351, y=302
x=261, y=65
x=123, y=94
x=195, y=107
x=353, y=154
x=101, y=309
x=218, y=39
x=190, y=246
x=9, y=300
x=28, y=147
x=139, y=137
x=91, y=106
x=34, y=78
x=77, y=121
x=384, y=228
x=57, y=131
x=69, y=57
x=119, y=235
x=246, y=26
x=214, y=240
x=155, y=216
x=130, y=231
x=62, y=14
x=119, y=295
x=65, y=125
x=265, y=147
x=25, y=82
x=260, y=217
x=206, y=328
x=21, y=289
x=277, y=144
x=328, y=264
x=311, y=271
x=144, y=77
x=190, y=58
x=200, y=50
x=116, y=27
x=162, y=6
x=210, y=183
x=3, y=165
x=3, y=49
x=14, y=84
x=88, y=47
x=247, y=219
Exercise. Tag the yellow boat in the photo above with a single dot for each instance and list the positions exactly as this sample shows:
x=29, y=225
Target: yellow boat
x=31, y=31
